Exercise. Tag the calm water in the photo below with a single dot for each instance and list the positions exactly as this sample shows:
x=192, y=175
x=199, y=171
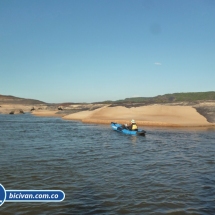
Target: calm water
x=170, y=171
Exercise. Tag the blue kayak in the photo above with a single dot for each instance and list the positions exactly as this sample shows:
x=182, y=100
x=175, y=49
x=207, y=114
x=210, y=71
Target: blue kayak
x=123, y=129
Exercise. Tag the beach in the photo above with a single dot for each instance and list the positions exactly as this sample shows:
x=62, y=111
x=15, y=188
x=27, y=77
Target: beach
x=172, y=115
x=151, y=115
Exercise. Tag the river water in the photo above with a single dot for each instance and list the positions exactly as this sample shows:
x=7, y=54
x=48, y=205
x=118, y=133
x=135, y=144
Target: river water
x=170, y=171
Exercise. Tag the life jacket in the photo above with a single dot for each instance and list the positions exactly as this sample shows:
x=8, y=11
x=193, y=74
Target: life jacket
x=133, y=126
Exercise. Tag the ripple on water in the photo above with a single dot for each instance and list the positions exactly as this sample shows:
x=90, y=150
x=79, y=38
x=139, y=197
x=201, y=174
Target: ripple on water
x=170, y=171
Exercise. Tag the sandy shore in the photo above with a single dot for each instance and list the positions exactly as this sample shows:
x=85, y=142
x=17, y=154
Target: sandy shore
x=152, y=115
x=46, y=113
x=7, y=108
x=39, y=110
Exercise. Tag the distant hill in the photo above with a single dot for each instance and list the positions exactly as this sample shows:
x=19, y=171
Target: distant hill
x=16, y=100
x=160, y=99
x=169, y=98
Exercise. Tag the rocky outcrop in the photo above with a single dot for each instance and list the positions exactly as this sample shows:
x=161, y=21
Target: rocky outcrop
x=74, y=108
x=21, y=111
x=60, y=108
x=207, y=110
x=16, y=111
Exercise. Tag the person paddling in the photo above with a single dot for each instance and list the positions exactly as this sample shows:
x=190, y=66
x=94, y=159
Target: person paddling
x=133, y=126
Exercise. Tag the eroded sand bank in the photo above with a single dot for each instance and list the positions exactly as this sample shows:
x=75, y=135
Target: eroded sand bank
x=37, y=110
x=152, y=115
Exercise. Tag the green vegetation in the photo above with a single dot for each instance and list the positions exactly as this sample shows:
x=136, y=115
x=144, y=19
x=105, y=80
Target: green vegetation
x=168, y=98
x=16, y=100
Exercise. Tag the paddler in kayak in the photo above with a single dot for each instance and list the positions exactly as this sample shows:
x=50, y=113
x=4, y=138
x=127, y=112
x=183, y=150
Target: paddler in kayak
x=132, y=126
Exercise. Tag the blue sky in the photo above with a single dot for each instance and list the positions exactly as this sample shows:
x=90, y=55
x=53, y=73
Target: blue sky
x=96, y=50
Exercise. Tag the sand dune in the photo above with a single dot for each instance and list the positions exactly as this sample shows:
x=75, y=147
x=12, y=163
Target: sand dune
x=156, y=115
x=151, y=115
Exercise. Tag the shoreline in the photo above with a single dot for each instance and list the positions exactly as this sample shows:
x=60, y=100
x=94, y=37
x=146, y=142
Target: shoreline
x=153, y=115
x=47, y=114
x=156, y=115
x=144, y=123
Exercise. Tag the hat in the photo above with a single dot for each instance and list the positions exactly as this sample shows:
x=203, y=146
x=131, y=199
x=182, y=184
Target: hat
x=132, y=121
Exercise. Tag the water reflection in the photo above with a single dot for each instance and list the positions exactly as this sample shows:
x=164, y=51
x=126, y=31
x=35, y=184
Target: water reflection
x=133, y=140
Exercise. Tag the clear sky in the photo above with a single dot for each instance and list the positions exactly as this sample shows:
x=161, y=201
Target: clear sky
x=96, y=50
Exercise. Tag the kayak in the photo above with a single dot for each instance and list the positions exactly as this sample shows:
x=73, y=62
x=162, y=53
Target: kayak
x=121, y=128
